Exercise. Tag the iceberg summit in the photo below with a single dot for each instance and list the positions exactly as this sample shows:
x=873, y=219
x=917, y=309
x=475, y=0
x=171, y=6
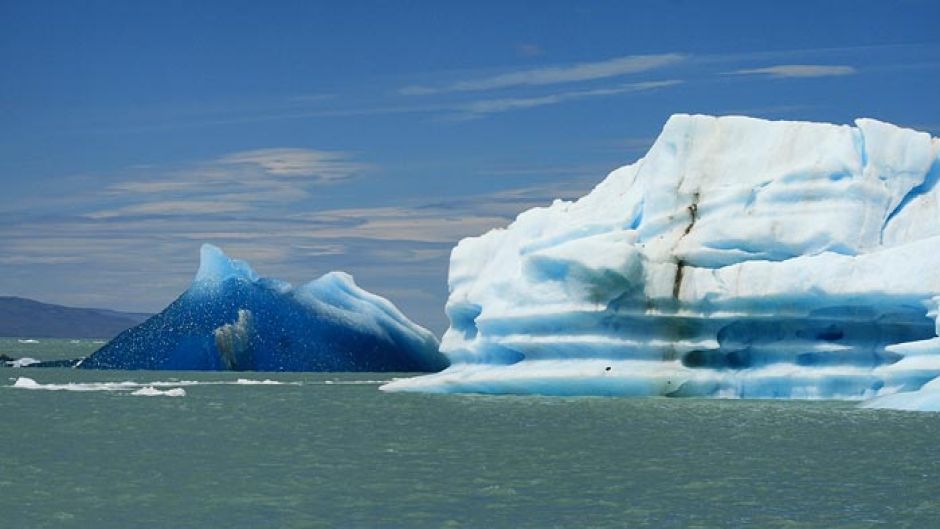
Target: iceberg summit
x=230, y=319
x=739, y=258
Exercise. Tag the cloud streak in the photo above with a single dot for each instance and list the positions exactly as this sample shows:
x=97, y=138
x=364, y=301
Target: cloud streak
x=586, y=71
x=475, y=109
x=783, y=71
x=239, y=182
x=321, y=166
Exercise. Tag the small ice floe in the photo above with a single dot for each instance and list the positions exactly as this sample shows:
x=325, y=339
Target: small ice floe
x=23, y=362
x=24, y=382
x=250, y=382
x=170, y=388
x=29, y=383
x=355, y=382
x=150, y=391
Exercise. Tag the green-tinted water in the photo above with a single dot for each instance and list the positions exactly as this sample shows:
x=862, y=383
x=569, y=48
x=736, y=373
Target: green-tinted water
x=344, y=454
x=48, y=348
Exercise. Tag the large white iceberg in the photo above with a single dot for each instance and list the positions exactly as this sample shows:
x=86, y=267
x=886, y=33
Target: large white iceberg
x=739, y=258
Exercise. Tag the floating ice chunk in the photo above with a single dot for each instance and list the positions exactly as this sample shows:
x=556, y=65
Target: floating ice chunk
x=29, y=383
x=25, y=382
x=150, y=391
x=927, y=398
x=233, y=319
x=250, y=382
x=739, y=258
x=23, y=362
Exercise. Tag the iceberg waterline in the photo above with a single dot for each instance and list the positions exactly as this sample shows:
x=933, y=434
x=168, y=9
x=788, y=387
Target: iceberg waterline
x=739, y=258
x=232, y=319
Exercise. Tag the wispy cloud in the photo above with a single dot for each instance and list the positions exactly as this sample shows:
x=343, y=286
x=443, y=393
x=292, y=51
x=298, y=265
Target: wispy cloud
x=164, y=186
x=235, y=183
x=309, y=98
x=528, y=50
x=693, y=68
x=131, y=230
x=798, y=70
x=398, y=250
x=475, y=109
x=172, y=207
x=585, y=71
x=321, y=166
x=38, y=260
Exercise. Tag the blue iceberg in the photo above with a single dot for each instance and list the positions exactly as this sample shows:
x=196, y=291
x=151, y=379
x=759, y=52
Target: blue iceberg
x=231, y=319
x=740, y=258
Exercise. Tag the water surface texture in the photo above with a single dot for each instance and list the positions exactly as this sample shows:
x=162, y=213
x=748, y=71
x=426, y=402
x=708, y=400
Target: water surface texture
x=49, y=348
x=332, y=451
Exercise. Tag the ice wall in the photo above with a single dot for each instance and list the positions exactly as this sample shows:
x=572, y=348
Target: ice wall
x=232, y=319
x=738, y=258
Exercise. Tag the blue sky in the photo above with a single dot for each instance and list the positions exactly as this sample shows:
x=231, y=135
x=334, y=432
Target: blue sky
x=371, y=136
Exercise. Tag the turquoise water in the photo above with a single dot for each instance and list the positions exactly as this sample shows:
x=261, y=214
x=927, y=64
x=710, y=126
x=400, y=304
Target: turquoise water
x=330, y=450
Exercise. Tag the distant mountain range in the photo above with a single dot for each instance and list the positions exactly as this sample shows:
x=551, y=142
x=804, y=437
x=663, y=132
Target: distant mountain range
x=27, y=318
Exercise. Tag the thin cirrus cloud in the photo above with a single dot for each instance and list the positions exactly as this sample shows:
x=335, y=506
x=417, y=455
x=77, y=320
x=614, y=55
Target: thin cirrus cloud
x=234, y=183
x=171, y=207
x=476, y=109
x=798, y=70
x=585, y=71
x=528, y=50
x=419, y=230
x=323, y=166
x=149, y=258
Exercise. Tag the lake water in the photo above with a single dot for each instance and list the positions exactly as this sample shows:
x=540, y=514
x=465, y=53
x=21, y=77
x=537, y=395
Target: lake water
x=48, y=348
x=330, y=450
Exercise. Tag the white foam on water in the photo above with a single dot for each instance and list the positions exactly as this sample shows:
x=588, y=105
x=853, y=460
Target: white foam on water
x=349, y=382
x=162, y=385
x=29, y=340
x=150, y=391
x=29, y=383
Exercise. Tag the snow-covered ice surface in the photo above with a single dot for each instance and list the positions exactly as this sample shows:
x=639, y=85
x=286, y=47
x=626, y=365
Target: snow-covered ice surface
x=739, y=258
x=231, y=319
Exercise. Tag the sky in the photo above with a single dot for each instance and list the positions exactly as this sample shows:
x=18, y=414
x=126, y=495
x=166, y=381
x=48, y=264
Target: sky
x=370, y=137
